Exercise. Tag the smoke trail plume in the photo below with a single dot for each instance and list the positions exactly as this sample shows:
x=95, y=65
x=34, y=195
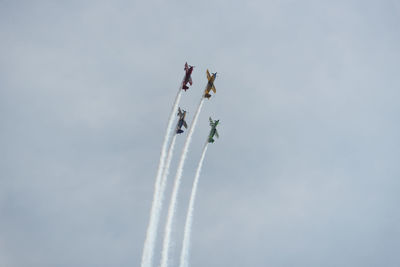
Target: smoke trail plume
x=165, y=173
x=149, y=243
x=162, y=186
x=174, y=196
x=189, y=216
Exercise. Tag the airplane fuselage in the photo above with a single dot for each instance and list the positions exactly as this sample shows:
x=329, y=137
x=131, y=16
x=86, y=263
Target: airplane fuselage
x=187, y=78
x=211, y=136
x=212, y=132
x=181, y=122
x=187, y=75
x=209, y=86
x=179, y=126
x=211, y=82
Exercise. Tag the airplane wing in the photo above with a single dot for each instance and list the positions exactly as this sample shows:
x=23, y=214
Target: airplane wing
x=190, y=81
x=211, y=122
x=216, y=133
x=208, y=75
x=184, y=124
x=213, y=88
x=186, y=66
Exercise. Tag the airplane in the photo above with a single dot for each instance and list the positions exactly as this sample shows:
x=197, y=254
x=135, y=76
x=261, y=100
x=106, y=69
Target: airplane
x=188, y=78
x=213, y=131
x=181, y=121
x=210, y=85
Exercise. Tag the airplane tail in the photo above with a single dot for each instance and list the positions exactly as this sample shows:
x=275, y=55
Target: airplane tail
x=210, y=140
x=207, y=96
x=184, y=87
x=179, y=131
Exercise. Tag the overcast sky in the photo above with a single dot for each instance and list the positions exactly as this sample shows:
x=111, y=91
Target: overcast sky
x=306, y=170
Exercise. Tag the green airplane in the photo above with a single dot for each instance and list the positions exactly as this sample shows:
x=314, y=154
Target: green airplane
x=213, y=131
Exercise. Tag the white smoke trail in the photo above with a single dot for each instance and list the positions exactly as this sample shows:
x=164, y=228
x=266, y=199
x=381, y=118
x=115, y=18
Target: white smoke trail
x=164, y=176
x=151, y=235
x=163, y=184
x=172, y=204
x=189, y=216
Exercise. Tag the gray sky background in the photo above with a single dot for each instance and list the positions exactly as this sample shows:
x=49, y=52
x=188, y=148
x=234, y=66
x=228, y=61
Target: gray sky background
x=306, y=172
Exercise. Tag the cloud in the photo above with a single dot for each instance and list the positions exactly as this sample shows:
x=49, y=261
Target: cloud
x=305, y=170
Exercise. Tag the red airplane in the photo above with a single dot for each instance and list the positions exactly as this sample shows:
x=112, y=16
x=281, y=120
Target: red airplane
x=188, y=78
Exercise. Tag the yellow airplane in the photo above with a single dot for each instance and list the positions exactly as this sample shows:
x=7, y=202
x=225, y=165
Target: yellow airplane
x=210, y=85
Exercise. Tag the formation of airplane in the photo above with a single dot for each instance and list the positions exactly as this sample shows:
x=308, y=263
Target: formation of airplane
x=188, y=77
x=181, y=121
x=210, y=85
x=213, y=131
x=182, y=113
